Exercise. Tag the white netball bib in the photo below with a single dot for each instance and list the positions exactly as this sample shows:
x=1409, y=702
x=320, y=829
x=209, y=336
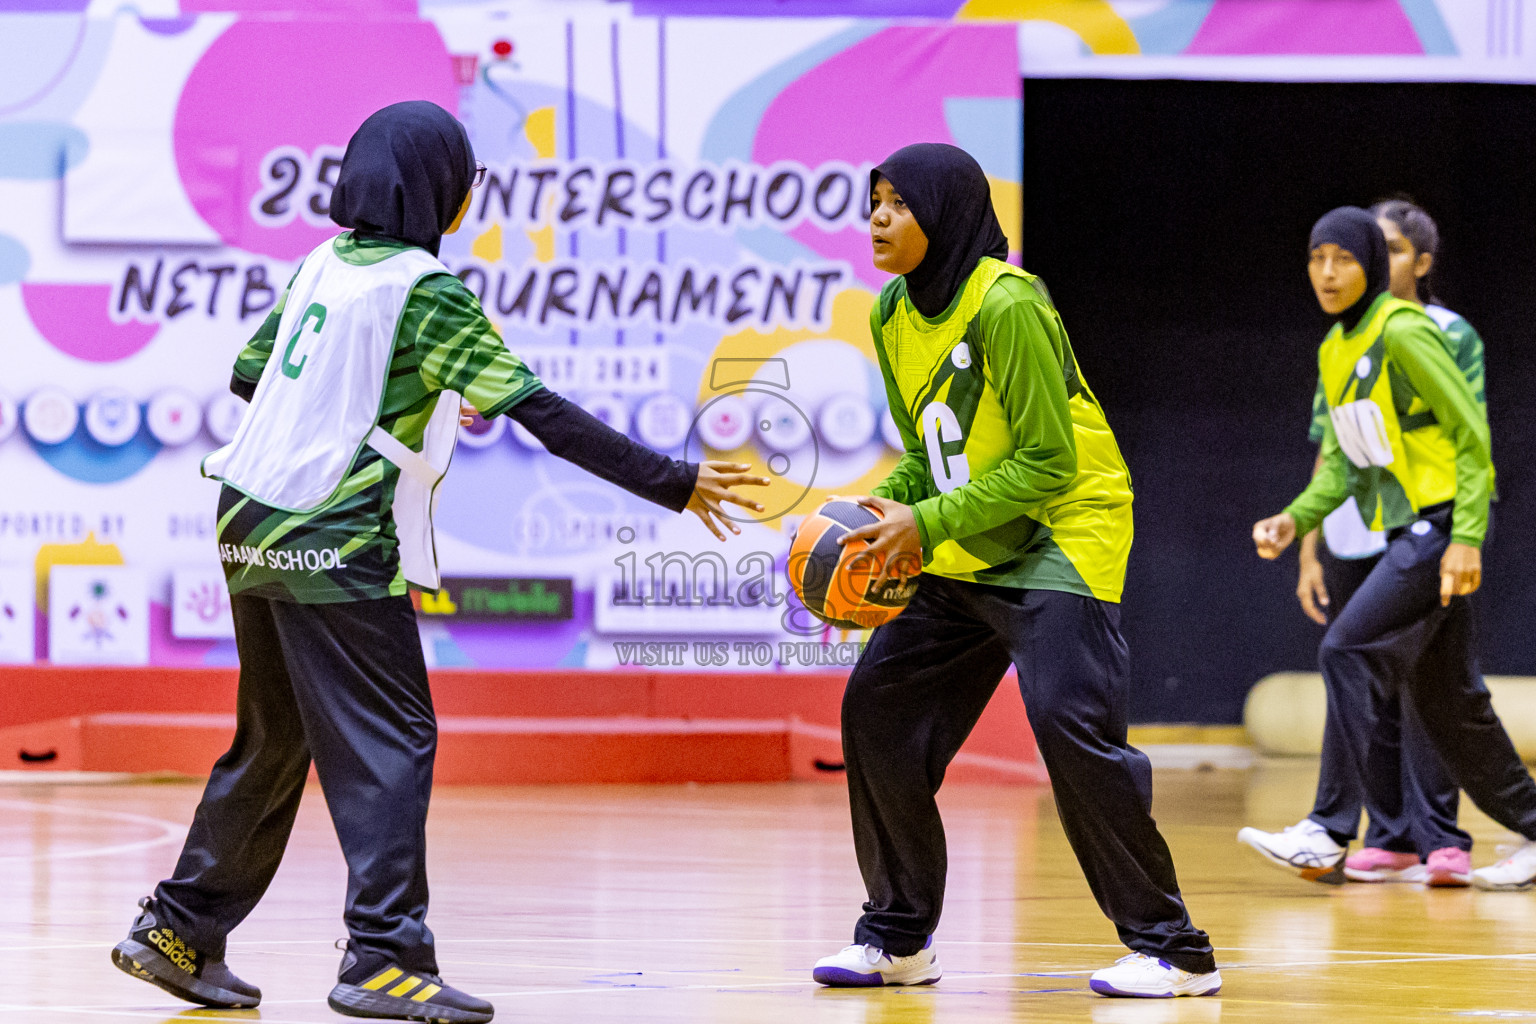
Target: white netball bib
x=319, y=399
x=1347, y=535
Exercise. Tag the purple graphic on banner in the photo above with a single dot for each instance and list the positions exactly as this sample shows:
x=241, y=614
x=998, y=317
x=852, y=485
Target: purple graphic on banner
x=51, y=6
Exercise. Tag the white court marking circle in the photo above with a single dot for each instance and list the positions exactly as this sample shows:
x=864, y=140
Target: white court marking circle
x=170, y=831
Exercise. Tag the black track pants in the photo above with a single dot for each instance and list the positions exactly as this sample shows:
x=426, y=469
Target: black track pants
x=915, y=695
x=346, y=685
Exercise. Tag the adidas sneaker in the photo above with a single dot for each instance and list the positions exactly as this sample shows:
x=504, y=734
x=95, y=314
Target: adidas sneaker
x=393, y=993
x=156, y=954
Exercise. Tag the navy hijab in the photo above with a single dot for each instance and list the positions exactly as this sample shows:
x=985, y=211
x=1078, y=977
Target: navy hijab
x=948, y=194
x=405, y=174
x=1352, y=228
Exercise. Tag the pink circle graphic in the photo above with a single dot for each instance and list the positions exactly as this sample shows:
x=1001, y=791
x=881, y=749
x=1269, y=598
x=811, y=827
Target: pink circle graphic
x=825, y=114
x=73, y=318
x=302, y=84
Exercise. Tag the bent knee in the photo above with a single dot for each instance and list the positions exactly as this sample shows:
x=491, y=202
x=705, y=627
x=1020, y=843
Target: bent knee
x=1334, y=648
x=858, y=692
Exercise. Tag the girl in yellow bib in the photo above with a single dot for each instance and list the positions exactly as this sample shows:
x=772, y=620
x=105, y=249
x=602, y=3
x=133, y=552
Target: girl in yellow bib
x=1409, y=441
x=1012, y=497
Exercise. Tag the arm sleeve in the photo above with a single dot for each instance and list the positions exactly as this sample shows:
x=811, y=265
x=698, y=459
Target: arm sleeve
x=1319, y=413
x=1467, y=345
x=907, y=481
x=577, y=436
x=1416, y=349
x=460, y=350
x=1329, y=486
x=1026, y=347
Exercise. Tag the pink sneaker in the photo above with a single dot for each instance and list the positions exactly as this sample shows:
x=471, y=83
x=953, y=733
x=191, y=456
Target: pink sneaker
x=1374, y=865
x=1449, y=868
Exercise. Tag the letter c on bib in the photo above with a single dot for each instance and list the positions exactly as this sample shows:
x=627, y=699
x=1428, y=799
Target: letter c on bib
x=940, y=425
x=291, y=369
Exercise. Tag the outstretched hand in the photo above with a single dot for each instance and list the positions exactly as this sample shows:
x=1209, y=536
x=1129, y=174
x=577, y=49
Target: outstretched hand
x=713, y=487
x=894, y=543
x=1273, y=535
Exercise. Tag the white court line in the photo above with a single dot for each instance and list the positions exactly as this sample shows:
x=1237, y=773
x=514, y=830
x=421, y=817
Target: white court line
x=525, y=993
x=1406, y=959
x=737, y=985
x=173, y=1013
x=171, y=831
x=256, y=945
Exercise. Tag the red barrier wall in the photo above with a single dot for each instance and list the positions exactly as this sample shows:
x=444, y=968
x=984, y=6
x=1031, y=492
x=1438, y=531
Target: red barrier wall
x=50, y=694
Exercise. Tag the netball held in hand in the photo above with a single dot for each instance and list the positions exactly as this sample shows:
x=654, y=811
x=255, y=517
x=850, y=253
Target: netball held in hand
x=840, y=584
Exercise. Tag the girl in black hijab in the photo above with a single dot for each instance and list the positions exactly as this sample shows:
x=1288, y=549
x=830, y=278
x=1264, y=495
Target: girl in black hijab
x=406, y=175
x=1013, y=503
x=951, y=199
x=347, y=373
x=1356, y=233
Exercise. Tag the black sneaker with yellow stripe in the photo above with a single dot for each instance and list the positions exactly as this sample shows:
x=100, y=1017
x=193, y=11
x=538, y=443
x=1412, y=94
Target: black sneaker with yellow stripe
x=154, y=953
x=394, y=993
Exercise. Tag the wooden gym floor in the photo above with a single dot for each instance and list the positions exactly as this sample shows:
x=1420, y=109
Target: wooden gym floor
x=709, y=903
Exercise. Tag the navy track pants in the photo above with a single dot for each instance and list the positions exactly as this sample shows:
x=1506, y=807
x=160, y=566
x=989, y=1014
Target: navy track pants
x=1393, y=639
x=1410, y=797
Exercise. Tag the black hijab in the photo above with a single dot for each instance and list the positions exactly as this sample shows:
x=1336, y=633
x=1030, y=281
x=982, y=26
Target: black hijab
x=405, y=174
x=948, y=194
x=1352, y=228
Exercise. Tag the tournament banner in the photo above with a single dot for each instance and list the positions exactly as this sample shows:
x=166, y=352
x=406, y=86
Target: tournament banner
x=672, y=231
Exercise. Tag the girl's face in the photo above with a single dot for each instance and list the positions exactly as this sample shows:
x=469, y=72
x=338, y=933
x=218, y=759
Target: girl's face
x=1407, y=264
x=1337, y=277
x=899, y=243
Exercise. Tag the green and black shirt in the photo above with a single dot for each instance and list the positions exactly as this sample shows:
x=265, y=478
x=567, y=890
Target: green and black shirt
x=346, y=550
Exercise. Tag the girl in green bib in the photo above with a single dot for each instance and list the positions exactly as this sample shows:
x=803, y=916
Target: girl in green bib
x=1407, y=438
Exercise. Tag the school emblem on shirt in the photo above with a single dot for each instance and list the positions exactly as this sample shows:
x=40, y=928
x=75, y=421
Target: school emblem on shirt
x=961, y=356
x=1363, y=367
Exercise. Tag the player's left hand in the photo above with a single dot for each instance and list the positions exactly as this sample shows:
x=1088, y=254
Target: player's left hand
x=894, y=543
x=467, y=414
x=712, y=489
x=1461, y=571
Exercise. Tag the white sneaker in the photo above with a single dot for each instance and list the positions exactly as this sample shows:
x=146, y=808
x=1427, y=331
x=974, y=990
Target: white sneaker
x=865, y=965
x=1517, y=871
x=1305, y=848
x=1148, y=977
